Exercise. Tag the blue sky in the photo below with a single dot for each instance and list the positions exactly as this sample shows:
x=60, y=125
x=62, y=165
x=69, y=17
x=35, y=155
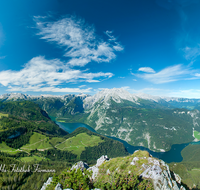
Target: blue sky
x=65, y=46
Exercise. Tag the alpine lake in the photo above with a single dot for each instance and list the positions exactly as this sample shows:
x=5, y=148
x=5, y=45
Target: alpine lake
x=173, y=155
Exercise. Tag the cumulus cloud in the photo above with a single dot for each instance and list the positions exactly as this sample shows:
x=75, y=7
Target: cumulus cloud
x=169, y=74
x=40, y=74
x=79, y=40
x=146, y=69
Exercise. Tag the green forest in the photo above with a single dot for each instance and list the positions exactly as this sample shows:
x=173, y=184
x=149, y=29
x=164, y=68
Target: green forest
x=28, y=137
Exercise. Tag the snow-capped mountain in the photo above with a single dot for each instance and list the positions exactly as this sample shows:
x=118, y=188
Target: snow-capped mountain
x=15, y=96
x=116, y=94
x=20, y=96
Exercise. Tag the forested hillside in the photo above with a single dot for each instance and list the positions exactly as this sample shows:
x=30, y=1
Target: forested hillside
x=29, y=137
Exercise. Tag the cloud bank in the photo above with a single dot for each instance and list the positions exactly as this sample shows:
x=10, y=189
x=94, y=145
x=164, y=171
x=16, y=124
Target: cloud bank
x=40, y=74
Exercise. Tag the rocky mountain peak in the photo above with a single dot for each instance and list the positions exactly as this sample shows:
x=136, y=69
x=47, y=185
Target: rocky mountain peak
x=116, y=94
x=14, y=96
x=141, y=163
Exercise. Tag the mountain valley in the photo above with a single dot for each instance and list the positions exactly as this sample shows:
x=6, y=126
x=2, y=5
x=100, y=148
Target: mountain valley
x=139, y=119
x=29, y=136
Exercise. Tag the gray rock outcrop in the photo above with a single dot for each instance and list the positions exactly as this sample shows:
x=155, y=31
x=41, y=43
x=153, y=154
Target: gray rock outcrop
x=159, y=172
x=152, y=168
x=58, y=187
x=95, y=168
x=82, y=165
x=47, y=183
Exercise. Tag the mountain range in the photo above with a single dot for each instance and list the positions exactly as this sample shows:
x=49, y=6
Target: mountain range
x=139, y=119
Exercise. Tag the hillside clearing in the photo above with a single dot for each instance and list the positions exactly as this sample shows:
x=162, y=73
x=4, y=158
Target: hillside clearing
x=197, y=135
x=7, y=149
x=78, y=143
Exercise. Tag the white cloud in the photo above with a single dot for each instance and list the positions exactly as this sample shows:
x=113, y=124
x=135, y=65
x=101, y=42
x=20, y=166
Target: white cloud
x=40, y=74
x=50, y=89
x=81, y=45
x=126, y=88
x=146, y=69
x=116, y=45
x=79, y=40
x=191, y=53
x=82, y=86
x=151, y=91
x=189, y=93
x=169, y=74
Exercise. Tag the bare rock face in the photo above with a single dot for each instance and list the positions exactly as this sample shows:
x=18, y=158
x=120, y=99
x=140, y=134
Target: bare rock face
x=47, y=183
x=101, y=160
x=159, y=172
x=82, y=165
x=58, y=187
x=95, y=169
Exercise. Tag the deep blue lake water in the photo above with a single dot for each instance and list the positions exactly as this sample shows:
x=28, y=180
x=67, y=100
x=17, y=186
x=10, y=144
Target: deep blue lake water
x=174, y=155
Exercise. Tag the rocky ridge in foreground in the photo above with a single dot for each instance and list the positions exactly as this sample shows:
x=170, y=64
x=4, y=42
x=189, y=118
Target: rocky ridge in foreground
x=153, y=172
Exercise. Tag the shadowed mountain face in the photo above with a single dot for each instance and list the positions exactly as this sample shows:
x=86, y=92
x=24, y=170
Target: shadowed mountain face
x=139, y=119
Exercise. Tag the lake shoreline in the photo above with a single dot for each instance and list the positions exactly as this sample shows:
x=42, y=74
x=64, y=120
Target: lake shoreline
x=173, y=155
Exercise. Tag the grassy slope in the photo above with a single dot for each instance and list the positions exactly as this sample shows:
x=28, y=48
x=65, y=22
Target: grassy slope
x=75, y=144
x=37, y=141
x=81, y=142
x=189, y=168
x=3, y=115
x=7, y=149
x=31, y=159
x=124, y=164
x=119, y=165
x=78, y=143
x=197, y=135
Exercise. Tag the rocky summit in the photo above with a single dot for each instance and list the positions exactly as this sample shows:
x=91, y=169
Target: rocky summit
x=141, y=163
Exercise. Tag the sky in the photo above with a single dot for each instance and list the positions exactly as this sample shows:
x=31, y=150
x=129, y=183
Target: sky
x=83, y=46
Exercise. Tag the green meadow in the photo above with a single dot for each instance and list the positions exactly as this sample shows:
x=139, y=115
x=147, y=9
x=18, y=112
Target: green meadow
x=41, y=142
x=3, y=115
x=31, y=159
x=197, y=135
x=7, y=149
x=78, y=143
x=37, y=141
